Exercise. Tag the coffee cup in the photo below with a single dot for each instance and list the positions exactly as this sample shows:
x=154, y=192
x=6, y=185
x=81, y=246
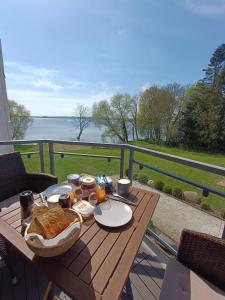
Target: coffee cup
x=123, y=186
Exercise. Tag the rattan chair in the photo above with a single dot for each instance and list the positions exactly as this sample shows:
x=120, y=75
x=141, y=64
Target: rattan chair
x=204, y=254
x=14, y=178
x=199, y=268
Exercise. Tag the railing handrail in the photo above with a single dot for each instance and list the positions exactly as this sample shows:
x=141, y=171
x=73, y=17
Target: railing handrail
x=178, y=159
x=182, y=160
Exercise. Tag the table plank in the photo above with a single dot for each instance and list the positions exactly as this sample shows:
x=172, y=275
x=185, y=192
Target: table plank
x=99, y=256
x=82, y=259
x=14, y=218
x=10, y=214
x=115, y=286
x=66, y=280
x=70, y=255
x=99, y=282
x=14, y=238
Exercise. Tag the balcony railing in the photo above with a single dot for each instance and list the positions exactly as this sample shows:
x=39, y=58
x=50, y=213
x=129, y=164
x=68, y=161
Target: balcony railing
x=132, y=150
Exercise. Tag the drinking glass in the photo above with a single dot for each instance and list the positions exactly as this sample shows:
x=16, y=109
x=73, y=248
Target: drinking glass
x=101, y=195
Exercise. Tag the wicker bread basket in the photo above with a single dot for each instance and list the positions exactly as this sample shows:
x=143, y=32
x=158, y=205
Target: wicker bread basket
x=49, y=251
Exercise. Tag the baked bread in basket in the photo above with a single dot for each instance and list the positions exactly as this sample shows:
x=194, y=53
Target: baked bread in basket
x=53, y=230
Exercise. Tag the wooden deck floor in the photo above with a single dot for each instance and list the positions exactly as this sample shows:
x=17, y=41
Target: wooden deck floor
x=145, y=279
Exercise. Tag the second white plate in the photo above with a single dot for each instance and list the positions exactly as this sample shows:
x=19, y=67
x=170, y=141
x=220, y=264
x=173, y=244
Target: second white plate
x=59, y=188
x=113, y=213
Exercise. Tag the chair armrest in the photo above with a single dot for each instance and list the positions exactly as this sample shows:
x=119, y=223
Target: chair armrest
x=38, y=182
x=204, y=254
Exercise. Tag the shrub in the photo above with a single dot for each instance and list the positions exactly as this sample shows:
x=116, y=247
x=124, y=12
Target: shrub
x=150, y=183
x=143, y=178
x=177, y=192
x=168, y=190
x=206, y=206
x=135, y=176
x=223, y=214
x=127, y=172
x=159, y=185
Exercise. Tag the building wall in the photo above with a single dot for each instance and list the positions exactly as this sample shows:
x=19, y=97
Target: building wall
x=5, y=132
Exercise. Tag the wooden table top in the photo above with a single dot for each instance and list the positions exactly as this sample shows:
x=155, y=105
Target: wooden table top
x=97, y=265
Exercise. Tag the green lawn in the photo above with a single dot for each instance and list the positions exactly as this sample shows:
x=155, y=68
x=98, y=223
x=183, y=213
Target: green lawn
x=70, y=164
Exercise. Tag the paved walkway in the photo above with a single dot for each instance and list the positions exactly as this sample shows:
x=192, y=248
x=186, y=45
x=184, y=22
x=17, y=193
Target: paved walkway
x=172, y=215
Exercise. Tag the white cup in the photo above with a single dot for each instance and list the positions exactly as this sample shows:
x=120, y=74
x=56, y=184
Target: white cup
x=123, y=186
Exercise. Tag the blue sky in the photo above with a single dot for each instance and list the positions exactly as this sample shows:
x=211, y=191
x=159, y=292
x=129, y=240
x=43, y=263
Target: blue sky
x=60, y=53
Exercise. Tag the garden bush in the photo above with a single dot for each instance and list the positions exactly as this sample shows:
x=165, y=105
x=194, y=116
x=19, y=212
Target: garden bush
x=150, y=183
x=177, y=192
x=222, y=214
x=159, y=185
x=135, y=176
x=142, y=178
x=206, y=206
x=168, y=190
x=127, y=172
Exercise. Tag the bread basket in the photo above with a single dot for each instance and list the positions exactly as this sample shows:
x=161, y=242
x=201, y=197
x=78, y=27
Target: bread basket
x=49, y=251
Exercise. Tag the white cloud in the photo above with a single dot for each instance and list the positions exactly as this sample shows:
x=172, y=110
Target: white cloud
x=47, y=92
x=23, y=75
x=51, y=103
x=145, y=86
x=148, y=84
x=206, y=7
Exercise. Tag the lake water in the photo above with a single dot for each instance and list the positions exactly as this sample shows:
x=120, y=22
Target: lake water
x=62, y=129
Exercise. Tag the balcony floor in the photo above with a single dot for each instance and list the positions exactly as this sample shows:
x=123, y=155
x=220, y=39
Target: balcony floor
x=145, y=279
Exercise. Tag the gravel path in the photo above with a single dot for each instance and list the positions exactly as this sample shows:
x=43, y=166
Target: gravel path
x=172, y=215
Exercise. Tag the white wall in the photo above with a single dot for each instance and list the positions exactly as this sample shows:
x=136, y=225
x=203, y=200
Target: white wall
x=5, y=132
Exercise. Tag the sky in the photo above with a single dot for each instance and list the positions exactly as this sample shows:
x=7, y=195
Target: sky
x=58, y=54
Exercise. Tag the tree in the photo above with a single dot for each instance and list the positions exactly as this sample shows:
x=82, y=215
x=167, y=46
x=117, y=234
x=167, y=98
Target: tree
x=115, y=116
x=215, y=72
x=177, y=91
x=20, y=119
x=82, y=115
x=202, y=119
x=134, y=104
x=157, y=108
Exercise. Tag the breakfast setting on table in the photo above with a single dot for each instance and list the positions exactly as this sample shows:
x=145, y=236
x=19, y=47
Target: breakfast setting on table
x=52, y=226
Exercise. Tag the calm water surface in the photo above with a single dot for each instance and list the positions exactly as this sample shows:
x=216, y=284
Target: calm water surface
x=62, y=129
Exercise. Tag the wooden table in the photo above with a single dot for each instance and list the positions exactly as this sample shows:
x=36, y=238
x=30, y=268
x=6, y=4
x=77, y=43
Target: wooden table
x=98, y=264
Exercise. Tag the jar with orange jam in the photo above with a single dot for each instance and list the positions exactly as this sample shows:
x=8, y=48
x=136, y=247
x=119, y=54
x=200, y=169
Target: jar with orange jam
x=88, y=186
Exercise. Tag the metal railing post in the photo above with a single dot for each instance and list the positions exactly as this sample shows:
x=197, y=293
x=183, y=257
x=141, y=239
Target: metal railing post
x=41, y=153
x=130, y=170
x=121, y=162
x=51, y=158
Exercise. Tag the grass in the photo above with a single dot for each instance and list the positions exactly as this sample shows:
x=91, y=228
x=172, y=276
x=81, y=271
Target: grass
x=71, y=164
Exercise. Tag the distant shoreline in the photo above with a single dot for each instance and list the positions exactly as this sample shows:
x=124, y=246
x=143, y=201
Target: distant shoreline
x=54, y=117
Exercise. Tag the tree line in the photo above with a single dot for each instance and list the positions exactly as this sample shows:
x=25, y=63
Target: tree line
x=192, y=116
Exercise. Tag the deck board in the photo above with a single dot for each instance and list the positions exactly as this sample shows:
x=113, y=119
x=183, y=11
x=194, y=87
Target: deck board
x=144, y=282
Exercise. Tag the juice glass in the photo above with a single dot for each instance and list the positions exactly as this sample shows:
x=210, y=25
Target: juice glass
x=101, y=195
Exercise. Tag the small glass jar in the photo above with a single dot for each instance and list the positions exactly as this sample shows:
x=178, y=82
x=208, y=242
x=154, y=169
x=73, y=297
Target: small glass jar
x=74, y=179
x=88, y=186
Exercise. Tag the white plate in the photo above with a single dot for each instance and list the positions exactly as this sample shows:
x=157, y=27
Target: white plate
x=112, y=213
x=59, y=188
